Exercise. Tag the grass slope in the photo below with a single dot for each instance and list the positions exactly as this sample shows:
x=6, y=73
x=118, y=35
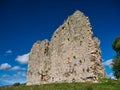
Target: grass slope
x=105, y=84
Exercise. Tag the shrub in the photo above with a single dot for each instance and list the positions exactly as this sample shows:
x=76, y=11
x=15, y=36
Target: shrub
x=16, y=84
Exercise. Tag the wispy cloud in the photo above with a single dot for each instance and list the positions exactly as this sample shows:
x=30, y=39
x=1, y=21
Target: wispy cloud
x=8, y=52
x=20, y=75
x=5, y=76
x=5, y=66
x=23, y=59
x=16, y=68
x=108, y=62
x=23, y=74
x=11, y=79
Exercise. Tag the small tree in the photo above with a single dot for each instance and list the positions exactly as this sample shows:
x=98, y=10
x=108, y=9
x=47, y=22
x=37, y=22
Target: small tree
x=116, y=46
x=116, y=59
x=116, y=67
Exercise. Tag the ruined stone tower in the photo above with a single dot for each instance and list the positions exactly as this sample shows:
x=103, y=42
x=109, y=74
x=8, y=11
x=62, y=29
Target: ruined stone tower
x=72, y=54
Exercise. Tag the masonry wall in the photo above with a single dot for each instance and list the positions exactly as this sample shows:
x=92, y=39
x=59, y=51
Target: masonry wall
x=72, y=54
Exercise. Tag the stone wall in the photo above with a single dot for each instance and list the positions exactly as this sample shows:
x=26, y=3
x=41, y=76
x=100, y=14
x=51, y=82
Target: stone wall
x=72, y=54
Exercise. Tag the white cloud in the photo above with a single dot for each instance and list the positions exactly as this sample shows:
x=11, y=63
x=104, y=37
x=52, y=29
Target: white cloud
x=20, y=75
x=16, y=76
x=15, y=68
x=5, y=66
x=8, y=51
x=108, y=63
x=23, y=59
x=11, y=79
x=111, y=75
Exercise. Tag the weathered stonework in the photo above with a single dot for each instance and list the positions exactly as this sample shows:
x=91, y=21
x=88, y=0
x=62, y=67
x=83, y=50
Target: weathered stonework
x=73, y=54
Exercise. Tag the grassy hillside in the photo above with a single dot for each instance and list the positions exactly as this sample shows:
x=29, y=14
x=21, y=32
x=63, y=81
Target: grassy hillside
x=105, y=84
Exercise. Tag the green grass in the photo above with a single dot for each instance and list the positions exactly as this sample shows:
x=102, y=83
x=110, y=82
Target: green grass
x=105, y=84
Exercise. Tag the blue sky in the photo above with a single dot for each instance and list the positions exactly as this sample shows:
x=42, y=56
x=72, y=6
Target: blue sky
x=23, y=22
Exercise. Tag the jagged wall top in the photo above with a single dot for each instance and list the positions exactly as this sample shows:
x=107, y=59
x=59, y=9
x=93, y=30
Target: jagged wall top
x=77, y=19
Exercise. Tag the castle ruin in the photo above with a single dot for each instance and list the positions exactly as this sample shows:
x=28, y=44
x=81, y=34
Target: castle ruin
x=72, y=55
